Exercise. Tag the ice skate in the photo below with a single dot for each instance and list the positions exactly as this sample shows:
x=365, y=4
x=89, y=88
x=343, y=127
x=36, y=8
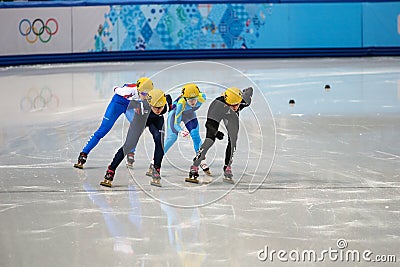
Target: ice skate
x=228, y=175
x=81, y=160
x=156, y=182
x=108, y=178
x=155, y=176
x=150, y=171
x=205, y=168
x=130, y=159
x=193, y=175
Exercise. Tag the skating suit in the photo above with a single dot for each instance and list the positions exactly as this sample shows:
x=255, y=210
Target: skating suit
x=144, y=117
x=117, y=106
x=217, y=112
x=182, y=112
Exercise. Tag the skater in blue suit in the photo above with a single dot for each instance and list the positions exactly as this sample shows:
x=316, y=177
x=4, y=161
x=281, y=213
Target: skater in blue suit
x=184, y=110
x=117, y=106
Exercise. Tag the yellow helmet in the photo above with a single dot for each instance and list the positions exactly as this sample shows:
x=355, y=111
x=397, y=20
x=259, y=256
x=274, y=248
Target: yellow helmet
x=233, y=96
x=156, y=98
x=144, y=85
x=190, y=90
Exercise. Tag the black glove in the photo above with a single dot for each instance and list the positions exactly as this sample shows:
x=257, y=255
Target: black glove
x=219, y=135
x=169, y=99
x=248, y=90
x=169, y=102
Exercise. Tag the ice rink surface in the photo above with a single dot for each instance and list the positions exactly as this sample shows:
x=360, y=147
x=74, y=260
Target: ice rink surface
x=317, y=183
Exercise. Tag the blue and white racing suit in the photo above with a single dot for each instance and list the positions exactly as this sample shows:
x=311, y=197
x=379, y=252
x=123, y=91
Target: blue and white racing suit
x=117, y=106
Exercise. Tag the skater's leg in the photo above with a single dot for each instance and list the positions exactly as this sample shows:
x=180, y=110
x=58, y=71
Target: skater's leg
x=113, y=111
x=118, y=158
x=201, y=154
x=232, y=127
x=229, y=153
x=156, y=128
x=193, y=127
x=172, y=134
x=170, y=140
x=211, y=131
x=110, y=172
x=135, y=130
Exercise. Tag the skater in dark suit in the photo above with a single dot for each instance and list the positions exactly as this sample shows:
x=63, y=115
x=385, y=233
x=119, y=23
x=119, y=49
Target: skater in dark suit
x=148, y=113
x=225, y=108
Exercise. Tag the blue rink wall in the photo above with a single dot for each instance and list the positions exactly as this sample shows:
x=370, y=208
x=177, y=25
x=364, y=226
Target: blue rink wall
x=76, y=31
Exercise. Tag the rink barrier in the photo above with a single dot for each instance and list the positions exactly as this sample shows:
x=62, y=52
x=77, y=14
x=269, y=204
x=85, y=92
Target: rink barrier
x=196, y=54
x=59, y=3
x=60, y=31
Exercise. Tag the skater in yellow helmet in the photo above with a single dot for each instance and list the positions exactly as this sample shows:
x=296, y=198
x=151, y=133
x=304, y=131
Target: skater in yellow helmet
x=224, y=108
x=117, y=106
x=148, y=113
x=184, y=110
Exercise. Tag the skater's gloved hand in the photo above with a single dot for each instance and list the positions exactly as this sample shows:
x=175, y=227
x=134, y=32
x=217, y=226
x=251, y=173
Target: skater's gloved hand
x=169, y=101
x=184, y=133
x=219, y=135
x=248, y=90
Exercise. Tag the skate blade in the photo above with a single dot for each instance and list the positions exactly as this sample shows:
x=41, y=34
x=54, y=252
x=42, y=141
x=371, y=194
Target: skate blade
x=208, y=173
x=158, y=184
x=79, y=166
x=191, y=180
x=105, y=183
x=207, y=182
x=149, y=174
x=228, y=180
x=130, y=166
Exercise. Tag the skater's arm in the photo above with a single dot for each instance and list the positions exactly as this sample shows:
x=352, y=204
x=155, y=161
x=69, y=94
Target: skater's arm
x=167, y=105
x=127, y=90
x=169, y=102
x=135, y=130
x=180, y=106
x=201, y=99
x=247, y=95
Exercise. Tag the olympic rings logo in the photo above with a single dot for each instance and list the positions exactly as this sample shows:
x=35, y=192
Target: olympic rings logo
x=38, y=29
x=38, y=100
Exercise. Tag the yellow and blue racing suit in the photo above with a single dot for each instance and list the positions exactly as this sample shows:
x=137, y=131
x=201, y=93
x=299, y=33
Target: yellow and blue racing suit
x=183, y=112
